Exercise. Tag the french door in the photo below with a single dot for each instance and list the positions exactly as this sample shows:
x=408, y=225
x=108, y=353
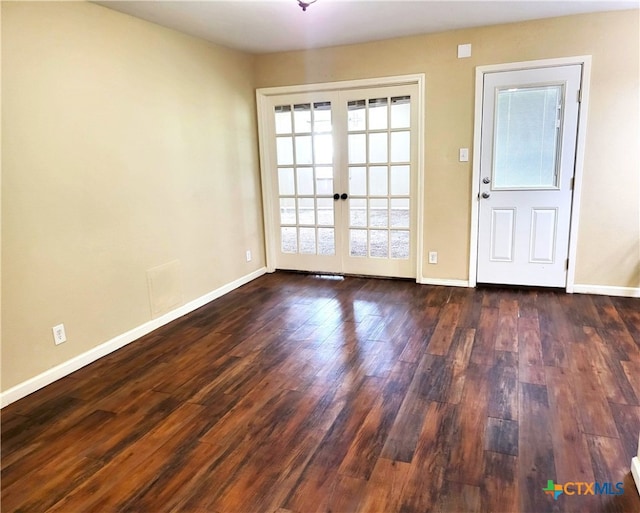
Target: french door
x=340, y=175
x=529, y=132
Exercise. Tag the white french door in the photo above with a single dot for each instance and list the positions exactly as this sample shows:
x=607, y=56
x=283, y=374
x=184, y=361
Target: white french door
x=340, y=175
x=304, y=181
x=529, y=132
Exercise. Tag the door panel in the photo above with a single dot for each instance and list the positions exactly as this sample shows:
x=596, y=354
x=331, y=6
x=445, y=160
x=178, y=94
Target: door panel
x=543, y=235
x=529, y=131
x=503, y=226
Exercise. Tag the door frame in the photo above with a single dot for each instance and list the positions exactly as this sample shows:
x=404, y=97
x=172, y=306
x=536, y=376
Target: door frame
x=267, y=163
x=583, y=108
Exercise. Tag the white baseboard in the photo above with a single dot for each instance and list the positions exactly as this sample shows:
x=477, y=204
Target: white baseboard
x=605, y=290
x=59, y=371
x=602, y=290
x=635, y=471
x=443, y=281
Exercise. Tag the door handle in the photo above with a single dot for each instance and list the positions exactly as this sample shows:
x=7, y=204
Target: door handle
x=485, y=195
x=486, y=180
x=344, y=196
x=336, y=196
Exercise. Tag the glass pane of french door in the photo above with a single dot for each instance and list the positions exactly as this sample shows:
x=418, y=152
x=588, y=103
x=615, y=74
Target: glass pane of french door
x=380, y=182
x=305, y=179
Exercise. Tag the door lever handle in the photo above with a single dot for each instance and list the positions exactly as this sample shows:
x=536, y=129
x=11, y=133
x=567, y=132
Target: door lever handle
x=485, y=195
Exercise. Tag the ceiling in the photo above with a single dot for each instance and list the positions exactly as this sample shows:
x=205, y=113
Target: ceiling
x=265, y=26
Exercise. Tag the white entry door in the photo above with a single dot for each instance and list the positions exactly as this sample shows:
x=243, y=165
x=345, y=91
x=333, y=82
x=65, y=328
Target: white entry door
x=529, y=131
x=342, y=171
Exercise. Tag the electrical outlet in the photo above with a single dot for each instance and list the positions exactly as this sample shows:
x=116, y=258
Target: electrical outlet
x=433, y=257
x=59, y=336
x=248, y=255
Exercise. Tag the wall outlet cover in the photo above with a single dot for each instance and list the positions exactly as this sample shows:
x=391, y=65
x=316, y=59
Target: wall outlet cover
x=59, y=335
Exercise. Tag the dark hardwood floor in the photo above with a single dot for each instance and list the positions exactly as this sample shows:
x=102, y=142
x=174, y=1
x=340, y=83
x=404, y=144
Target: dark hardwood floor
x=305, y=394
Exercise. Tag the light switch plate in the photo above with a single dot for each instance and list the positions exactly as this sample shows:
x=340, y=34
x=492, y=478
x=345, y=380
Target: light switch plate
x=464, y=155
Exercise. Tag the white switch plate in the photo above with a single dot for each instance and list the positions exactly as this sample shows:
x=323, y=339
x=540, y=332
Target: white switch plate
x=248, y=255
x=59, y=336
x=433, y=257
x=464, y=51
x=464, y=155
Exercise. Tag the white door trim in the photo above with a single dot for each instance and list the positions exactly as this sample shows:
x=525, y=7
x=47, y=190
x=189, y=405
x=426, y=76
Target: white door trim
x=585, y=62
x=265, y=133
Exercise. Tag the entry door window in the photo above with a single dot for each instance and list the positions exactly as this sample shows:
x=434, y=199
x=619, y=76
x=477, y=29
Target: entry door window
x=527, y=137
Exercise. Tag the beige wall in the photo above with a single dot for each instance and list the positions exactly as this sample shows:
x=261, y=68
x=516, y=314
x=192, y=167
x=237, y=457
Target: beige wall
x=126, y=146
x=609, y=230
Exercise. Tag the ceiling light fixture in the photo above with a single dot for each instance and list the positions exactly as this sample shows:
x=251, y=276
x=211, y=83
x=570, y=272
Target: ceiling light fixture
x=304, y=5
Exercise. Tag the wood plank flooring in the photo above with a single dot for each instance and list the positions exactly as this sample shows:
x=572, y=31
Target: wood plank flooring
x=301, y=394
